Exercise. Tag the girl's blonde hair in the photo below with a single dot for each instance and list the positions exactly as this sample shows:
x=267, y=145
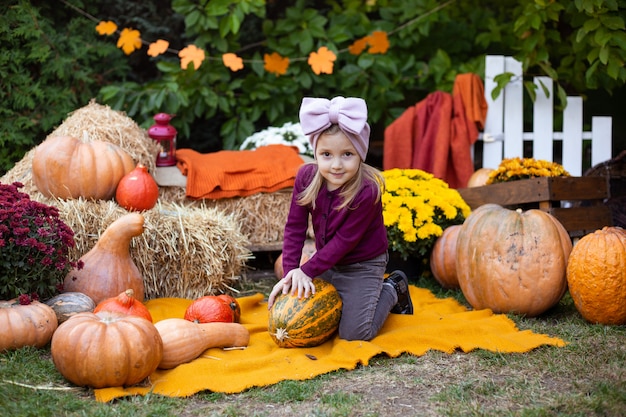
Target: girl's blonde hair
x=365, y=175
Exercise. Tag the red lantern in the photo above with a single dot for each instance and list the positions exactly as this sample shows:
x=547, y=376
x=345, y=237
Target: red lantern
x=165, y=135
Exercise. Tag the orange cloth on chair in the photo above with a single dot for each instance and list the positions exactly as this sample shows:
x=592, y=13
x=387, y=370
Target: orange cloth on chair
x=472, y=92
x=436, y=134
x=227, y=174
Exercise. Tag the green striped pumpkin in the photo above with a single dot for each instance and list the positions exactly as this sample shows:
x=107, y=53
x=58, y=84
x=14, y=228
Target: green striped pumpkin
x=305, y=322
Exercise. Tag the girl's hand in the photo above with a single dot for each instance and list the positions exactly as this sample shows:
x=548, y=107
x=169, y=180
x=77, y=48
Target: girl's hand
x=281, y=286
x=301, y=283
x=296, y=281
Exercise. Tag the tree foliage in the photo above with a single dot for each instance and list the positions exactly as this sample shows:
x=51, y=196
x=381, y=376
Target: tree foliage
x=581, y=44
x=47, y=70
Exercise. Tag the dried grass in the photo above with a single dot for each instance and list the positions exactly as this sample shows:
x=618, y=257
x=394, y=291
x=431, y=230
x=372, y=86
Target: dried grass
x=262, y=216
x=183, y=252
x=186, y=250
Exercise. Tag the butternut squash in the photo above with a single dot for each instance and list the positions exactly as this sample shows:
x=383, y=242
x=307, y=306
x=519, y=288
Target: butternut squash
x=108, y=269
x=184, y=340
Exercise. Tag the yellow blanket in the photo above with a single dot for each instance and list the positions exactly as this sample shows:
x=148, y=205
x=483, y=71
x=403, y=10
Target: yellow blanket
x=439, y=324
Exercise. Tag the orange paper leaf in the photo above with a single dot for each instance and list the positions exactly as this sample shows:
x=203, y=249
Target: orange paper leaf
x=130, y=39
x=276, y=64
x=322, y=61
x=232, y=61
x=358, y=46
x=191, y=54
x=106, y=28
x=379, y=43
x=158, y=47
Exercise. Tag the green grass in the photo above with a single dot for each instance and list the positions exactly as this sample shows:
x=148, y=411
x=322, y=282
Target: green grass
x=587, y=377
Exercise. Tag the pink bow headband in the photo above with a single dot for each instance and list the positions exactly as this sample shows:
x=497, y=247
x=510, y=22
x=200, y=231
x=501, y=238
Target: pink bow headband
x=318, y=114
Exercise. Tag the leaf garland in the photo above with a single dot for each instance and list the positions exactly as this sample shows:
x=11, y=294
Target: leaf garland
x=320, y=61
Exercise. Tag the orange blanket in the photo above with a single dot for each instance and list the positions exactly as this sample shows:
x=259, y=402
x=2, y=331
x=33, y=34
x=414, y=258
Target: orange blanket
x=438, y=324
x=436, y=134
x=227, y=174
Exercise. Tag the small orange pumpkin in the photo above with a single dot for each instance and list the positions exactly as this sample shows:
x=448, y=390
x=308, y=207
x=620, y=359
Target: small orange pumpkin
x=25, y=325
x=512, y=261
x=479, y=177
x=137, y=190
x=67, y=167
x=596, y=275
x=210, y=309
x=443, y=258
x=125, y=303
x=233, y=304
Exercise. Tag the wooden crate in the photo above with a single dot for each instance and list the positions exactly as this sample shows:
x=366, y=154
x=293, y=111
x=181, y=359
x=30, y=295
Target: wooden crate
x=577, y=202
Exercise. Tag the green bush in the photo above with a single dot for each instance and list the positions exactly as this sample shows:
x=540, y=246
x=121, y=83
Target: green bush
x=52, y=63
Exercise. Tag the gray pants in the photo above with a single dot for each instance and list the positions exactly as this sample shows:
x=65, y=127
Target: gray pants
x=366, y=301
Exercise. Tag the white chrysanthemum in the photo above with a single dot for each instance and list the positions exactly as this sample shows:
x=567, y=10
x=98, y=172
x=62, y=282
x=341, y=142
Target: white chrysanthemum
x=288, y=134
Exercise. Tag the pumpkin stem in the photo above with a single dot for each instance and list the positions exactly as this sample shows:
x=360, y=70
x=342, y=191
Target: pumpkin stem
x=281, y=334
x=127, y=298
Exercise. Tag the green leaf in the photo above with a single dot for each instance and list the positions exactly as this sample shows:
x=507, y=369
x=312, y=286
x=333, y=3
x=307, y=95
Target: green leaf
x=531, y=89
x=613, y=69
x=604, y=55
x=612, y=22
x=591, y=25
x=562, y=95
x=501, y=81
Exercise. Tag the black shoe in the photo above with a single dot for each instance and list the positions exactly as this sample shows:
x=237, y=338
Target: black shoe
x=401, y=284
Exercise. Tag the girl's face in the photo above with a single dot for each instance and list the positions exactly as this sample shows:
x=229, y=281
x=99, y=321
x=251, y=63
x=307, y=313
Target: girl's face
x=337, y=159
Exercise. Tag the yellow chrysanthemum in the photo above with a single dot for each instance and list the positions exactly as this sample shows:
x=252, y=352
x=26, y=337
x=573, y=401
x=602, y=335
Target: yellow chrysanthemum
x=417, y=207
x=513, y=169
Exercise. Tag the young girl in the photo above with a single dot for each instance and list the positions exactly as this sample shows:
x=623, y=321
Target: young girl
x=343, y=196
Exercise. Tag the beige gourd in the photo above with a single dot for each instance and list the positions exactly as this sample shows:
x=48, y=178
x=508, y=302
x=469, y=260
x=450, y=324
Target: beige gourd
x=184, y=340
x=108, y=269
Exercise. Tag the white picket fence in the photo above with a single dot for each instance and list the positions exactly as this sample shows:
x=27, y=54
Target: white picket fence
x=504, y=135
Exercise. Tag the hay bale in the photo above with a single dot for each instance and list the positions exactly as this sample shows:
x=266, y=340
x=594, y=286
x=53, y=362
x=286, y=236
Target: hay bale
x=185, y=251
x=262, y=216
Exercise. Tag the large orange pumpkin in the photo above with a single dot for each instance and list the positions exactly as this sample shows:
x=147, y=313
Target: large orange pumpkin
x=305, y=322
x=512, y=261
x=596, y=275
x=137, y=190
x=443, y=257
x=67, y=167
x=25, y=325
x=106, y=349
